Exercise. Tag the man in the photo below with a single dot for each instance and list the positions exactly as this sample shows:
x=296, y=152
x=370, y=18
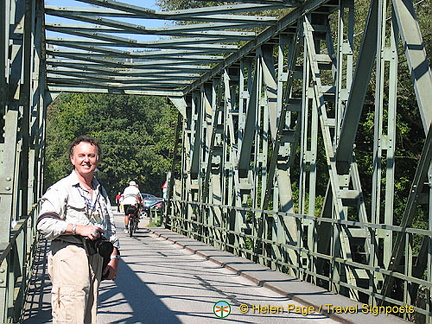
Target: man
x=131, y=202
x=75, y=213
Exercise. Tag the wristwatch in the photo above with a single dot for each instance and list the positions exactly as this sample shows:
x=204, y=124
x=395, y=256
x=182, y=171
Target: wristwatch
x=115, y=256
x=74, y=229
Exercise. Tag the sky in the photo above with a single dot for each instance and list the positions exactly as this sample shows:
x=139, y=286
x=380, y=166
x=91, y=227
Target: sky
x=150, y=23
x=142, y=3
x=150, y=4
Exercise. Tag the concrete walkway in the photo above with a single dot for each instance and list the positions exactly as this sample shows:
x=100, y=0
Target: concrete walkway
x=167, y=278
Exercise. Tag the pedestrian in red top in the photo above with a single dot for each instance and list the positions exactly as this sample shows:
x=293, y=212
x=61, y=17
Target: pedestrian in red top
x=118, y=198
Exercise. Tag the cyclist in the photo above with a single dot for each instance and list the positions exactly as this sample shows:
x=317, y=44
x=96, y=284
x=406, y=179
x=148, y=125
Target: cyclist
x=131, y=202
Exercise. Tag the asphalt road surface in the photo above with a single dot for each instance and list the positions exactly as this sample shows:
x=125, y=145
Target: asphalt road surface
x=161, y=282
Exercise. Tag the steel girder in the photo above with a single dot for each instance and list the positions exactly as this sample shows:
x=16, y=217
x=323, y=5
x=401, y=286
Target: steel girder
x=255, y=127
x=104, y=47
x=22, y=107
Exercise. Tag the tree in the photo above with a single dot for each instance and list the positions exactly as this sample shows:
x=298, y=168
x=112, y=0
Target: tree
x=136, y=134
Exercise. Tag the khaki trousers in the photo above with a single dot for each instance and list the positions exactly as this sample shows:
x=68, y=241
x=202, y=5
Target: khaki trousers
x=75, y=281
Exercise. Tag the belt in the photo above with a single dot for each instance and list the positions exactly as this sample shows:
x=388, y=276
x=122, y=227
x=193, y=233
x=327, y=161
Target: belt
x=71, y=239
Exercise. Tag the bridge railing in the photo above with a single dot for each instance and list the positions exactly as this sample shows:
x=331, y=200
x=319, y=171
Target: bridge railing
x=155, y=216
x=261, y=243
x=16, y=265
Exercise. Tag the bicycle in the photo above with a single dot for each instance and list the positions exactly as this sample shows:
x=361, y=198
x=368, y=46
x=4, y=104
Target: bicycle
x=133, y=224
x=133, y=220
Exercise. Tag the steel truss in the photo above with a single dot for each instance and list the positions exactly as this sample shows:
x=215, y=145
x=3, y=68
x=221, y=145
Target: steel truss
x=256, y=123
x=253, y=136
x=22, y=105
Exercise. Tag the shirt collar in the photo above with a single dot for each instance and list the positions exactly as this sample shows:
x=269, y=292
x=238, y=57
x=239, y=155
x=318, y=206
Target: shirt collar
x=75, y=182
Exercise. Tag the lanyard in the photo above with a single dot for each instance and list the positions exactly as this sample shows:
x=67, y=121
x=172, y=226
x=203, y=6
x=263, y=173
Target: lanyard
x=91, y=207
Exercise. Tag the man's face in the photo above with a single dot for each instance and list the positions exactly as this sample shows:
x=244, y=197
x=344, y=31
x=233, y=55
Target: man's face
x=85, y=158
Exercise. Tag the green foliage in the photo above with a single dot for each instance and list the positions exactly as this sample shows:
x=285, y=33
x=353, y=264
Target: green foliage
x=154, y=224
x=184, y=4
x=172, y=5
x=136, y=134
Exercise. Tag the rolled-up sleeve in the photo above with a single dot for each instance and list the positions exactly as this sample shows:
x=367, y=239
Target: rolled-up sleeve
x=51, y=216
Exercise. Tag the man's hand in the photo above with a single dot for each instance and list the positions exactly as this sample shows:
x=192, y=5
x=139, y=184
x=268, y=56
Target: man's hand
x=111, y=269
x=91, y=231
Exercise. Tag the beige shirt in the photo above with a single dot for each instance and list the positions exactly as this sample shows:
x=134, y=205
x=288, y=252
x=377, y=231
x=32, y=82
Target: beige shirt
x=75, y=205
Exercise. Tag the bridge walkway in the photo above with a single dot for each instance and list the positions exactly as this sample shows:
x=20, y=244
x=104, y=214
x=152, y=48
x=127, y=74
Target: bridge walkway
x=165, y=277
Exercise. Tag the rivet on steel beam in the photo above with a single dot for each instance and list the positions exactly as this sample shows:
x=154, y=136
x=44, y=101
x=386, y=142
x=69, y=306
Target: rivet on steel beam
x=8, y=188
x=8, y=179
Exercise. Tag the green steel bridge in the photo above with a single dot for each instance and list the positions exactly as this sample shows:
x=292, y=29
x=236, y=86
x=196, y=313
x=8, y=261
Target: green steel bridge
x=265, y=89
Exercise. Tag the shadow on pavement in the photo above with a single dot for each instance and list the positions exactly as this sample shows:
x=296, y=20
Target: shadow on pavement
x=127, y=300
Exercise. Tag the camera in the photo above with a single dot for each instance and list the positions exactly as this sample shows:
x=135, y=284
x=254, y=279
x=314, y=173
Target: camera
x=104, y=247
x=101, y=246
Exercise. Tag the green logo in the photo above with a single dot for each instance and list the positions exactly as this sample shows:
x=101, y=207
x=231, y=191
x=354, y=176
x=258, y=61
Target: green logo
x=222, y=309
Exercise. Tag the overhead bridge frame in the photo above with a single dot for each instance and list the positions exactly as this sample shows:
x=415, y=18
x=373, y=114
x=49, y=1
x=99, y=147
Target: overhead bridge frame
x=262, y=100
